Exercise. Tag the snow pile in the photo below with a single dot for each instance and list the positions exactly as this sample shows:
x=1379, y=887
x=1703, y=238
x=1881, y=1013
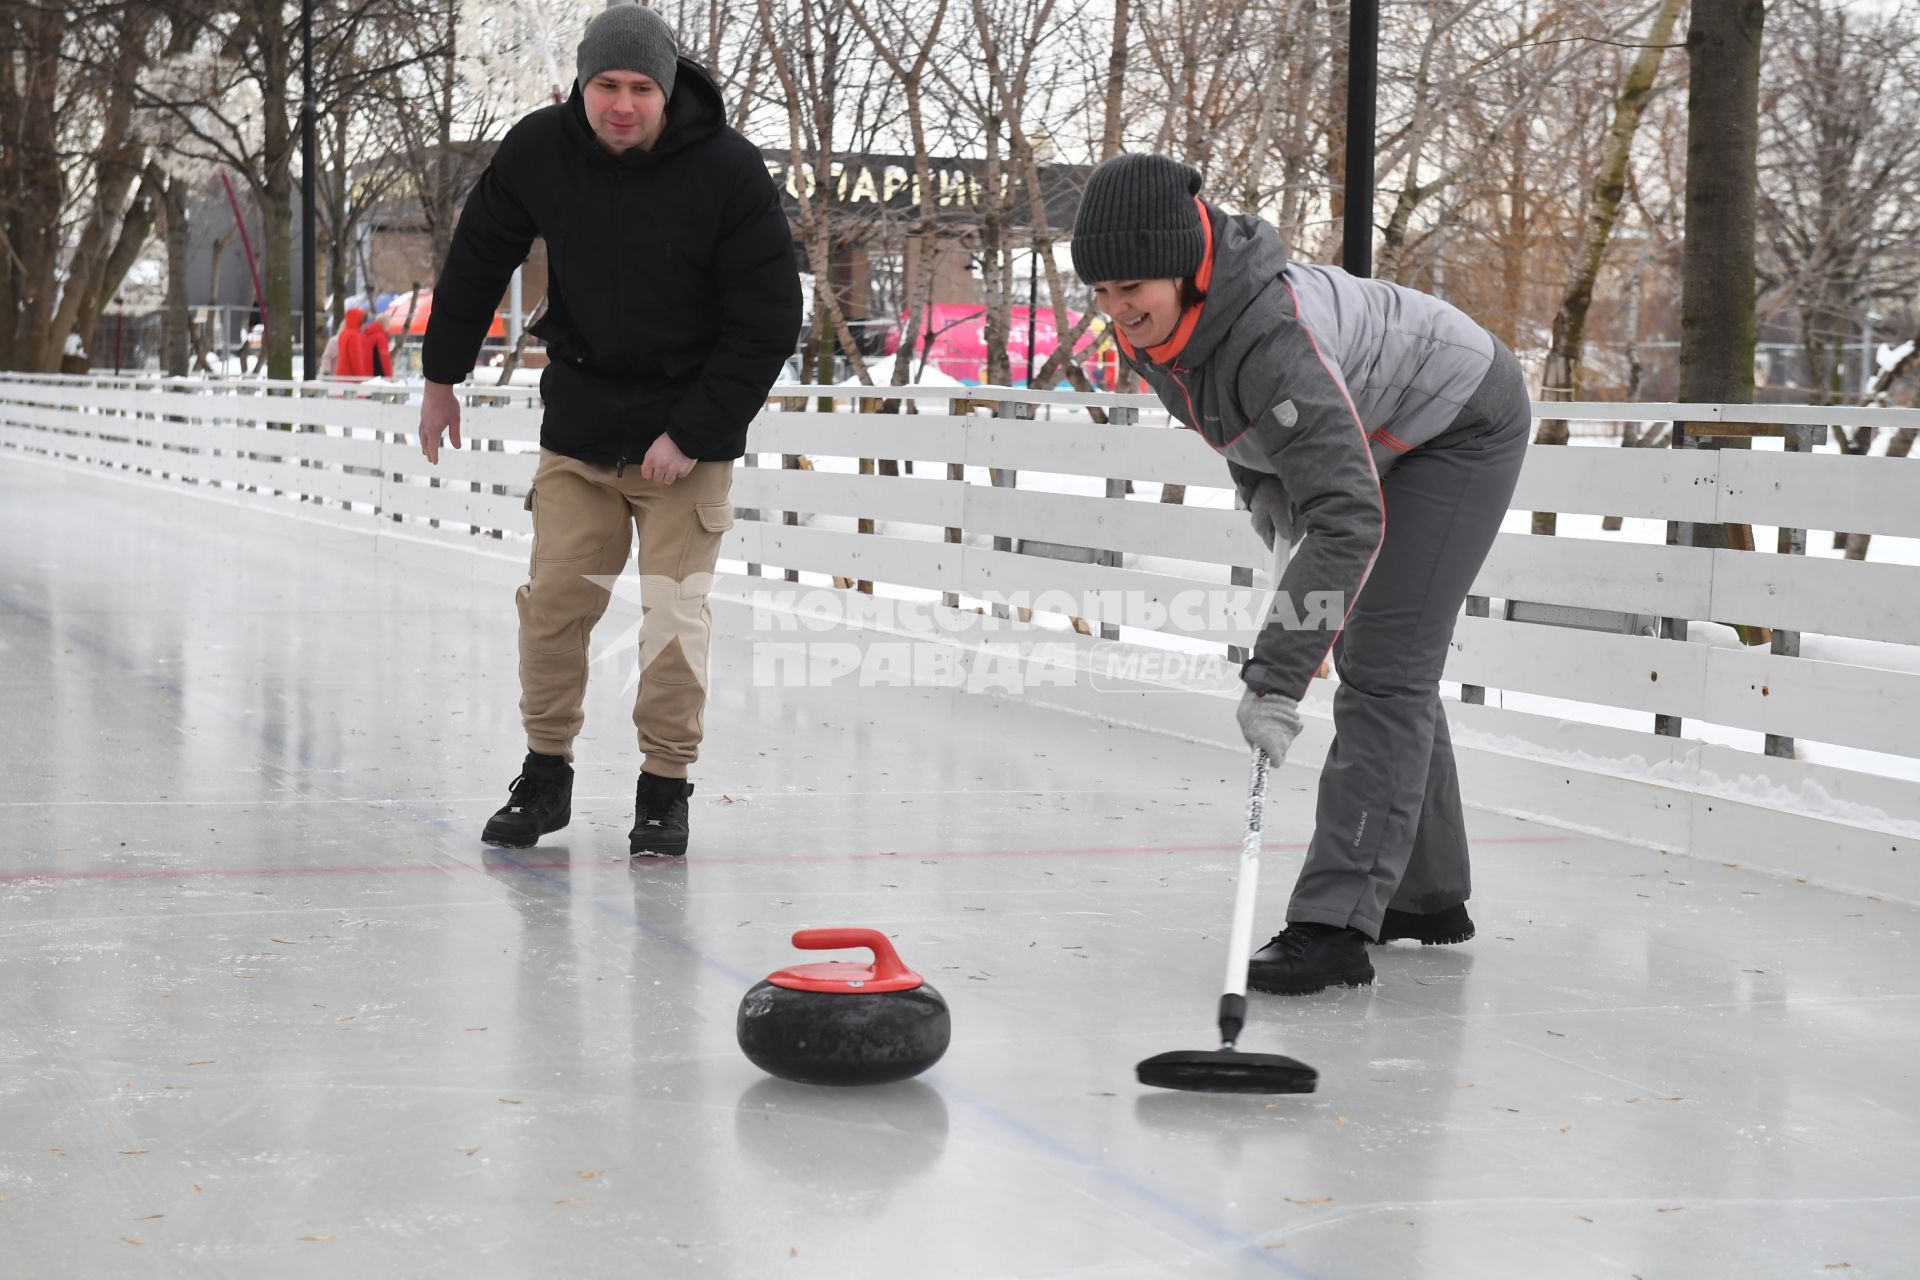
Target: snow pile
x=1683, y=772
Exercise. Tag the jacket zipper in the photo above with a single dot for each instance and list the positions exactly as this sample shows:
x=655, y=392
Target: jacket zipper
x=1174, y=371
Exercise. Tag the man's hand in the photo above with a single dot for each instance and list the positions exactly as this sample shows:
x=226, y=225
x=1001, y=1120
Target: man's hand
x=439, y=411
x=664, y=461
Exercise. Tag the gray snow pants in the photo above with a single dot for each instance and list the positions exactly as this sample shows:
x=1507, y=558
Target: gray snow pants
x=1389, y=830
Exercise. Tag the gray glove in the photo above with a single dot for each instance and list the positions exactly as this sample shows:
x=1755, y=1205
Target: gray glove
x=1272, y=515
x=1270, y=722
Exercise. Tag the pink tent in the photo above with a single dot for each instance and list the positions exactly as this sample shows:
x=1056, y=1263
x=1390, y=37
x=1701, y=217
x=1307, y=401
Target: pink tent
x=960, y=342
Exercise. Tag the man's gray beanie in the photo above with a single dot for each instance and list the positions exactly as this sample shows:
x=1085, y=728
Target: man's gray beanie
x=628, y=37
x=1138, y=221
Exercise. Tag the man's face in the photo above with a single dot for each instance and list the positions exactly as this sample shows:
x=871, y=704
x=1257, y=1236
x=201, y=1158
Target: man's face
x=626, y=110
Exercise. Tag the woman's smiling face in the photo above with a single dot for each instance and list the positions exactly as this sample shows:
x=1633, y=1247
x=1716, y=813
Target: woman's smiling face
x=1146, y=311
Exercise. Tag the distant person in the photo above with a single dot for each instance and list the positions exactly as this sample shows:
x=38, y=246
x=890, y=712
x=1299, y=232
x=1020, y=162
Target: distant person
x=360, y=349
x=330, y=356
x=1384, y=430
x=253, y=340
x=672, y=301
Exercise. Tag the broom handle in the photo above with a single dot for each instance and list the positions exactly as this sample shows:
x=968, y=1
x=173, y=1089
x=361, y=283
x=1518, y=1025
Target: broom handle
x=1240, y=941
x=1233, y=1001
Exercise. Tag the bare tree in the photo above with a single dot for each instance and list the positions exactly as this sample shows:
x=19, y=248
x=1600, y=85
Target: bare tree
x=440, y=121
x=232, y=100
x=830, y=81
x=1018, y=66
x=1453, y=125
x=1561, y=379
x=73, y=170
x=1840, y=179
x=891, y=26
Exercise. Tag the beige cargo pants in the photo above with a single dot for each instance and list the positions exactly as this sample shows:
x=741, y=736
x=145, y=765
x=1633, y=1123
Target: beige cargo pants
x=584, y=519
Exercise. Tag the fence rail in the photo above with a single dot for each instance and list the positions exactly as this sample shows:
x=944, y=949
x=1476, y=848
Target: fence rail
x=982, y=502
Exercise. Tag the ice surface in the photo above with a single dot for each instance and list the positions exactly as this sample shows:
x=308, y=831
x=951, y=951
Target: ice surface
x=270, y=1009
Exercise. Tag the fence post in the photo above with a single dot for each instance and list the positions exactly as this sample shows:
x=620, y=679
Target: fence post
x=1679, y=534
x=961, y=411
x=791, y=462
x=868, y=406
x=752, y=459
x=1476, y=694
x=1792, y=542
x=1125, y=416
x=1005, y=478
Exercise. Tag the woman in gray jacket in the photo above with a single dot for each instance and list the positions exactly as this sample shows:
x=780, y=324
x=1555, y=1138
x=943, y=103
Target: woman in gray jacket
x=1381, y=429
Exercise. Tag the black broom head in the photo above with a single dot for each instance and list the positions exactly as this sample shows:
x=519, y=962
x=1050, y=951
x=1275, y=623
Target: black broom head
x=1227, y=1071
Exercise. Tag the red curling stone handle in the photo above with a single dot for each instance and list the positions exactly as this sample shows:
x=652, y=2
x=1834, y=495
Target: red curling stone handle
x=887, y=973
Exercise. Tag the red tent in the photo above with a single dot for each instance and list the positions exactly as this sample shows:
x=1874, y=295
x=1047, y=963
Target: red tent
x=396, y=315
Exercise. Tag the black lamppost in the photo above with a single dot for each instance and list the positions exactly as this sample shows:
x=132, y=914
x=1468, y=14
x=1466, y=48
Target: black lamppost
x=1033, y=305
x=311, y=348
x=1363, y=78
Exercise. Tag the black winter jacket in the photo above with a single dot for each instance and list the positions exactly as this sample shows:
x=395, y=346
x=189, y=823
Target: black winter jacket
x=673, y=296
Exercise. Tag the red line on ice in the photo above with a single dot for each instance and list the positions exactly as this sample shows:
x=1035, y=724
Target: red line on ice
x=181, y=873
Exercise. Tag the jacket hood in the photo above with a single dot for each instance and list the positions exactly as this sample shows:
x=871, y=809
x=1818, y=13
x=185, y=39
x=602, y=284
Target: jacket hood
x=694, y=112
x=353, y=319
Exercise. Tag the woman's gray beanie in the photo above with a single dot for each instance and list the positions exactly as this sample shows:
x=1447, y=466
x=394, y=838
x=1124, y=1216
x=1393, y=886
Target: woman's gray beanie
x=1138, y=221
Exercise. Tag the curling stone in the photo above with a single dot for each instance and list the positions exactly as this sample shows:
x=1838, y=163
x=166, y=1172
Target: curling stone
x=844, y=1023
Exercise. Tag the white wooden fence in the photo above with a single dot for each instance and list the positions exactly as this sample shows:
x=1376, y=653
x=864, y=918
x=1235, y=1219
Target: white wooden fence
x=952, y=526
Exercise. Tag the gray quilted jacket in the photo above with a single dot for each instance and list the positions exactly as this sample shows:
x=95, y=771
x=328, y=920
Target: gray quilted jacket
x=1323, y=380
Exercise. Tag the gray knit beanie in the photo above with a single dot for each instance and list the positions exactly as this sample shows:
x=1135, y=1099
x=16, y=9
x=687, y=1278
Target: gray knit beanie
x=627, y=36
x=1138, y=221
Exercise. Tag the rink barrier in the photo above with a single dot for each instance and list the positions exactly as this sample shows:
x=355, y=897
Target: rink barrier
x=977, y=489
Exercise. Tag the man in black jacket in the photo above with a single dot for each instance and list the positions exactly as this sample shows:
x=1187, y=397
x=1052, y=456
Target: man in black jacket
x=672, y=301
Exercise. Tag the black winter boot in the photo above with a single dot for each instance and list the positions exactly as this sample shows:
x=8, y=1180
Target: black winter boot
x=1433, y=929
x=1305, y=958
x=659, y=817
x=541, y=801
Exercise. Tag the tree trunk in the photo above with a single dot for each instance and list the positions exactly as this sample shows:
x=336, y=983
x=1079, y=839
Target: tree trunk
x=276, y=207
x=134, y=230
x=924, y=241
x=926, y=257
x=1717, y=323
x=996, y=258
x=1717, y=265
x=1631, y=436
x=1116, y=78
x=120, y=155
x=443, y=225
x=276, y=192
x=31, y=50
x=1900, y=446
x=179, y=320
x=1333, y=238
x=343, y=227
x=512, y=362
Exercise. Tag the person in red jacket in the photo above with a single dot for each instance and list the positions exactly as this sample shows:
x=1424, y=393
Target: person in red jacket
x=362, y=350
